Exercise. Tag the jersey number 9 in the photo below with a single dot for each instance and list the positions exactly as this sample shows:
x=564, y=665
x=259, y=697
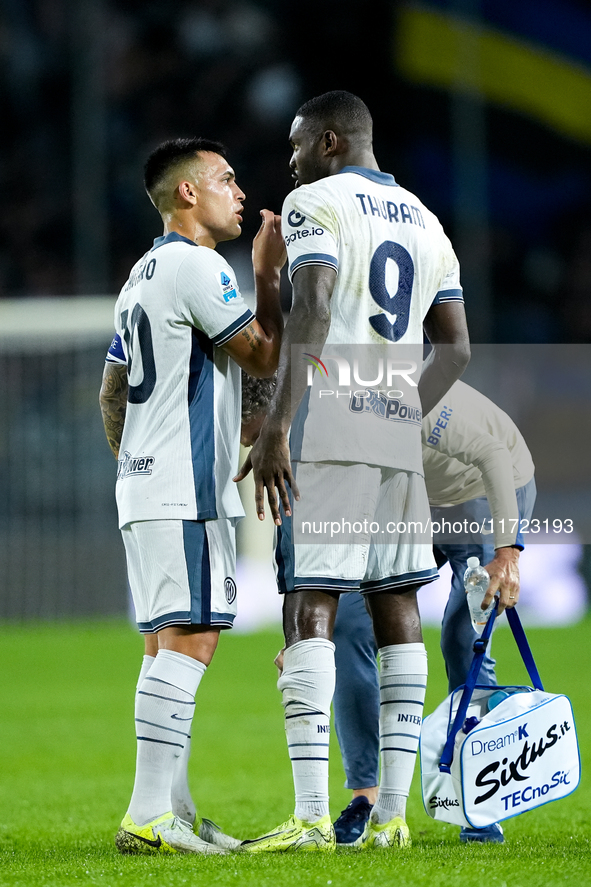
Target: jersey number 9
x=397, y=305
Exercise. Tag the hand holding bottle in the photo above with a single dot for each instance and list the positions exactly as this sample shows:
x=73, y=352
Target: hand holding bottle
x=476, y=581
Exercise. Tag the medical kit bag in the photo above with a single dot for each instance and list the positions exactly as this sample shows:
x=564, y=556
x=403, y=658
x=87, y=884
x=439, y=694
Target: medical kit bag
x=485, y=760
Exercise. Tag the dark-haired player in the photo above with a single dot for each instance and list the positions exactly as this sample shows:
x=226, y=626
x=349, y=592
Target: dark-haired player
x=170, y=400
x=370, y=266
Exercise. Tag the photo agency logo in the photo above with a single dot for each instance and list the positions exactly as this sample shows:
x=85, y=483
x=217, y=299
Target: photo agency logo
x=376, y=394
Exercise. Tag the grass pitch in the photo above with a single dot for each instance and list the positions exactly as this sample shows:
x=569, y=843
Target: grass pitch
x=68, y=750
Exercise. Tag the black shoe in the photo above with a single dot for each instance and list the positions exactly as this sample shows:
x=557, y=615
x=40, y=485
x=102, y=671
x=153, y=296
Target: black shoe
x=351, y=823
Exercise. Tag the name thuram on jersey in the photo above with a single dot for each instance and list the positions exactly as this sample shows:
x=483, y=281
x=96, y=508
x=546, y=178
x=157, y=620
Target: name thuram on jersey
x=393, y=262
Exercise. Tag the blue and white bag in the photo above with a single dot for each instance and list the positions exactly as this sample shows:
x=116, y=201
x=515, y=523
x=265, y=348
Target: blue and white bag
x=480, y=766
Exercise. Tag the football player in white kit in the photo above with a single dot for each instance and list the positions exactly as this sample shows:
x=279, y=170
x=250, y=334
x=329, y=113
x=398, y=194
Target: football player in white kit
x=371, y=266
x=171, y=407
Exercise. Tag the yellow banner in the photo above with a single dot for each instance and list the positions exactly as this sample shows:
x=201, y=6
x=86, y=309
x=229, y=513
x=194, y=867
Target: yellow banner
x=441, y=50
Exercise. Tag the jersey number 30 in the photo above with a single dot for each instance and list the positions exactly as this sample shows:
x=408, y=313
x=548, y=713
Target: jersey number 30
x=398, y=305
x=139, y=322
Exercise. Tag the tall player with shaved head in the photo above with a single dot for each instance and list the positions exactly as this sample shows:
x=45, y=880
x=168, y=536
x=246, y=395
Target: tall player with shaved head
x=171, y=408
x=371, y=269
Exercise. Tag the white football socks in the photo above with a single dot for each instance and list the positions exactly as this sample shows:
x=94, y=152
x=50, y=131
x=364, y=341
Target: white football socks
x=165, y=702
x=403, y=680
x=147, y=663
x=307, y=684
x=183, y=805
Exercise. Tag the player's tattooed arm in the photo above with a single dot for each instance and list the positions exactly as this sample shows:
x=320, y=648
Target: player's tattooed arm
x=113, y=401
x=252, y=337
x=254, y=351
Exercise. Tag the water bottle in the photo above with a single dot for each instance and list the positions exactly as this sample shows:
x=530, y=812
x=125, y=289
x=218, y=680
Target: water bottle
x=476, y=581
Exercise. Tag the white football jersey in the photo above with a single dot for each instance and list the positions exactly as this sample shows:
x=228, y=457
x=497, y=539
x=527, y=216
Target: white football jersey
x=393, y=261
x=181, y=436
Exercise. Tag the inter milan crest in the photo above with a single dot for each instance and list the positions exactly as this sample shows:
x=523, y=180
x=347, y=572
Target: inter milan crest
x=230, y=589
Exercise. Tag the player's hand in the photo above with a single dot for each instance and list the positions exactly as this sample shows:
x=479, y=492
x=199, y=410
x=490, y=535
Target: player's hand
x=271, y=464
x=270, y=460
x=504, y=579
x=245, y=470
x=268, y=247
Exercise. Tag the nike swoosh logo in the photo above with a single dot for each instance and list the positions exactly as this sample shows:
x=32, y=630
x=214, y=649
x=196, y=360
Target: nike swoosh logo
x=176, y=718
x=157, y=843
x=262, y=838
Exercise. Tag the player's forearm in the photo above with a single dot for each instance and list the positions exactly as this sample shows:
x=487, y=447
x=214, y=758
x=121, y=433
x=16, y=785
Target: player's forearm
x=113, y=403
x=443, y=367
x=268, y=258
x=113, y=420
x=268, y=312
x=447, y=331
x=304, y=330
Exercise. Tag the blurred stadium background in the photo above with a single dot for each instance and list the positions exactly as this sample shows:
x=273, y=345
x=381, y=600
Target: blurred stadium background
x=482, y=107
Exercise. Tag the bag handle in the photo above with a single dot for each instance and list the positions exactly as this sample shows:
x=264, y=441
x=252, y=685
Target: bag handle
x=524, y=648
x=480, y=646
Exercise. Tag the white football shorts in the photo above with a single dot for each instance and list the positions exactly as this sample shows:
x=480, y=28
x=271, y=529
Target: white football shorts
x=356, y=526
x=181, y=572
